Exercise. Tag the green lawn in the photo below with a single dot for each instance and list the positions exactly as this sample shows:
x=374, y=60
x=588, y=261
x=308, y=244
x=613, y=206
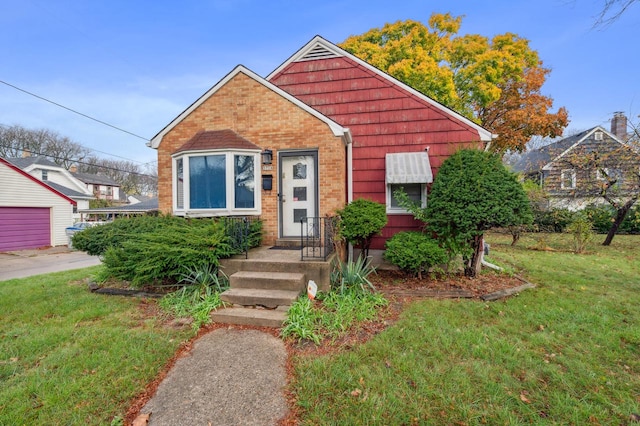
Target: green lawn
x=68, y=356
x=567, y=352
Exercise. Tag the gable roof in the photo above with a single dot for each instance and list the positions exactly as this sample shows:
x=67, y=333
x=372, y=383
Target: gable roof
x=68, y=191
x=24, y=162
x=541, y=158
x=336, y=128
x=95, y=179
x=39, y=182
x=216, y=139
x=319, y=48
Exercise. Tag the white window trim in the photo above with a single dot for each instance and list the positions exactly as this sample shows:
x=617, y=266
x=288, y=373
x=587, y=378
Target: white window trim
x=573, y=179
x=400, y=210
x=600, y=175
x=229, y=177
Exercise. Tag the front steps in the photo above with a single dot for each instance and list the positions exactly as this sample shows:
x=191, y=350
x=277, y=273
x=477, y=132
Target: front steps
x=260, y=298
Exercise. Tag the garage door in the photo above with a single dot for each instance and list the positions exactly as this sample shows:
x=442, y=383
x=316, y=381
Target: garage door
x=24, y=228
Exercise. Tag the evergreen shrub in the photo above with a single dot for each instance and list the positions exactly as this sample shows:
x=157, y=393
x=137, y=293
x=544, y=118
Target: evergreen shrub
x=415, y=252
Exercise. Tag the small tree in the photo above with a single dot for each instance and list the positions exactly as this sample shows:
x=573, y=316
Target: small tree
x=474, y=192
x=360, y=220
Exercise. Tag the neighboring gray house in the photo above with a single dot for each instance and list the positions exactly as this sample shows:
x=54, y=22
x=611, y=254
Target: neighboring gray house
x=574, y=170
x=102, y=187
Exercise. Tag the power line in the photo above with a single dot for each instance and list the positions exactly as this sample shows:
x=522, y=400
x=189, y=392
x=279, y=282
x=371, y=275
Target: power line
x=74, y=111
x=86, y=163
x=101, y=152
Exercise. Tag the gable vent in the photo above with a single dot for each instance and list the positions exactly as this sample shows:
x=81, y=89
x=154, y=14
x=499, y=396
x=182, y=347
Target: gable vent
x=318, y=52
x=598, y=136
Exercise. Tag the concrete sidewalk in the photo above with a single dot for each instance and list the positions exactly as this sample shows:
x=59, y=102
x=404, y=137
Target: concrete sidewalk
x=230, y=377
x=26, y=263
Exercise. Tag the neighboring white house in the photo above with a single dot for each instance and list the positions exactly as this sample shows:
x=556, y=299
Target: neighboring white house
x=32, y=214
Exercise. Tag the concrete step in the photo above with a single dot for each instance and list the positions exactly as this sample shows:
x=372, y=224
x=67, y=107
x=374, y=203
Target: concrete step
x=260, y=297
x=268, y=280
x=250, y=316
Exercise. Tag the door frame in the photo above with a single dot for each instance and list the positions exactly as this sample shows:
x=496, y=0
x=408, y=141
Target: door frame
x=296, y=153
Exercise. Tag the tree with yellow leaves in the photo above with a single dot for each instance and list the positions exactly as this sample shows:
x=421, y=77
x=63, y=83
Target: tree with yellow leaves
x=495, y=83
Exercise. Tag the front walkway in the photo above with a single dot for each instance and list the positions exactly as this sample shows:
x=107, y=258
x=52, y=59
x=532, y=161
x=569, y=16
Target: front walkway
x=230, y=377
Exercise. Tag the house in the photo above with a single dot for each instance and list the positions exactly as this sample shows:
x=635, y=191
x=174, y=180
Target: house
x=102, y=187
x=321, y=130
x=575, y=170
x=400, y=136
x=32, y=213
x=58, y=178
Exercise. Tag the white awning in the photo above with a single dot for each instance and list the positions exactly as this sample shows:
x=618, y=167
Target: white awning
x=408, y=167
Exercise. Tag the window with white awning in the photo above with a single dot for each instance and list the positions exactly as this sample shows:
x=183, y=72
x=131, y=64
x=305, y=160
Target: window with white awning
x=409, y=171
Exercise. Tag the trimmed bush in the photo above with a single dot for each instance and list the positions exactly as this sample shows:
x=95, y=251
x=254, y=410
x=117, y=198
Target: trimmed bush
x=553, y=220
x=415, y=252
x=360, y=220
x=159, y=250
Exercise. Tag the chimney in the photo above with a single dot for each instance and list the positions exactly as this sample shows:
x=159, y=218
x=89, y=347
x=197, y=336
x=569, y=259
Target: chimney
x=619, y=125
x=26, y=153
x=73, y=168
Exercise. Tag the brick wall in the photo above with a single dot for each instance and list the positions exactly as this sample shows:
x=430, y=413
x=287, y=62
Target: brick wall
x=269, y=121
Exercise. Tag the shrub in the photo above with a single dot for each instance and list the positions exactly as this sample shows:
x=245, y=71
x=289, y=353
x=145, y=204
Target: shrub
x=472, y=193
x=414, y=252
x=159, y=250
x=199, y=295
x=582, y=231
x=352, y=276
x=553, y=220
x=360, y=220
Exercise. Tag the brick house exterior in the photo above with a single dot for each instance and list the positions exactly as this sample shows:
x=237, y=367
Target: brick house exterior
x=244, y=112
x=337, y=128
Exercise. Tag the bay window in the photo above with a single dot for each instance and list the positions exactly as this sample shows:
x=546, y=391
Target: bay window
x=216, y=183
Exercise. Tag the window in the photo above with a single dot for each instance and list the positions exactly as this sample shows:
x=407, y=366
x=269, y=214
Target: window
x=216, y=183
x=415, y=191
x=409, y=171
x=568, y=179
x=602, y=174
x=109, y=191
x=179, y=184
x=45, y=175
x=598, y=136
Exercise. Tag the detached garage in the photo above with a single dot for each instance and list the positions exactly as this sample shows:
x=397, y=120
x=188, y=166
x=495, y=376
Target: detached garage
x=32, y=214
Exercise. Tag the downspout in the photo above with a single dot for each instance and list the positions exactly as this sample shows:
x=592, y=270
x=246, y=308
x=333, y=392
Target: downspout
x=349, y=141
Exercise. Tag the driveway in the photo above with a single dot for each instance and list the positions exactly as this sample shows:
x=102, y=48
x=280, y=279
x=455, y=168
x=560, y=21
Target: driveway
x=25, y=263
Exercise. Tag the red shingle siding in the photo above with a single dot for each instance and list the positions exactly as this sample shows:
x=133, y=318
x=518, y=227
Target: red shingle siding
x=382, y=116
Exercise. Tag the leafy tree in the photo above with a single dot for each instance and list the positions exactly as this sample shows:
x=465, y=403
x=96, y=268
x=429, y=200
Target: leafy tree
x=493, y=82
x=360, y=220
x=472, y=193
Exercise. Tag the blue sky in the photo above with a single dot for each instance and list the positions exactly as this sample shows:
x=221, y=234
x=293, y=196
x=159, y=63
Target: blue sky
x=138, y=64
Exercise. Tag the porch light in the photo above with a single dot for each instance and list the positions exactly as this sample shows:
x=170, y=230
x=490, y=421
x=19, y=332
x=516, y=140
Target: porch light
x=267, y=156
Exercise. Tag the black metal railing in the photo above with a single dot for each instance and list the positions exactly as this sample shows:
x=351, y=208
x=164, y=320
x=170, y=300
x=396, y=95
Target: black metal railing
x=316, y=237
x=238, y=230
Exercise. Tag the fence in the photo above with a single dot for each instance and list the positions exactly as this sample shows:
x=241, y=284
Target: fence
x=316, y=237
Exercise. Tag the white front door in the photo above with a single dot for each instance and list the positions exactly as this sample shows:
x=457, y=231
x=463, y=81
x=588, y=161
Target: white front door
x=298, y=191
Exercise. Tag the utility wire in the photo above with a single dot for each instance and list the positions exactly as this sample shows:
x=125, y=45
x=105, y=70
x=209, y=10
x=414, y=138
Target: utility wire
x=74, y=111
x=97, y=150
x=86, y=163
